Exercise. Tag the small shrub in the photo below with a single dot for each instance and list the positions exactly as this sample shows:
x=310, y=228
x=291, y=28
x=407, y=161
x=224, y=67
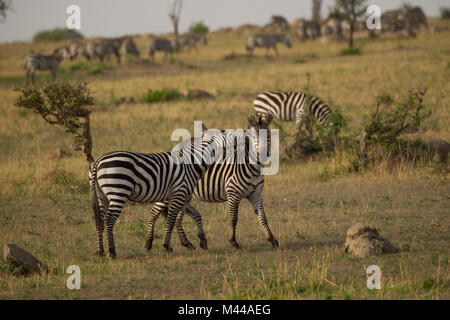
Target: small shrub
x=350, y=52
x=57, y=34
x=98, y=68
x=198, y=28
x=166, y=94
x=78, y=65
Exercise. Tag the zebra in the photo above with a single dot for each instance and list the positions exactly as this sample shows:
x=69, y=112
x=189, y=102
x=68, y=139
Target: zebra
x=122, y=175
x=290, y=106
x=190, y=40
x=103, y=48
x=34, y=62
x=77, y=49
x=266, y=40
x=128, y=47
x=230, y=182
x=159, y=44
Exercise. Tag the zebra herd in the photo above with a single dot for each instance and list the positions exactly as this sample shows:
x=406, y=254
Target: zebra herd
x=169, y=181
x=104, y=48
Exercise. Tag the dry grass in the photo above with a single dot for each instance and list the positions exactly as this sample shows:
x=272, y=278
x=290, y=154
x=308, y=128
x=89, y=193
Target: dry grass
x=309, y=204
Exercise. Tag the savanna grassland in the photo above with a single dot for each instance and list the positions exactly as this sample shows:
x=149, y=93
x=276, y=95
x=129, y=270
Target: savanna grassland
x=45, y=205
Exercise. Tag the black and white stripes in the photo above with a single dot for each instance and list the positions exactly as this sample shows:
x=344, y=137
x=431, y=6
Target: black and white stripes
x=229, y=182
x=292, y=106
x=120, y=176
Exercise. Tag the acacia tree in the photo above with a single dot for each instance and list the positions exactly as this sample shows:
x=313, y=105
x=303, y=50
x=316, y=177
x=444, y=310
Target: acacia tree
x=316, y=5
x=174, y=15
x=350, y=10
x=5, y=5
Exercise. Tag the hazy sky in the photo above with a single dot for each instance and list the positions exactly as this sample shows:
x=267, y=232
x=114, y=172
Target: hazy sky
x=118, y=17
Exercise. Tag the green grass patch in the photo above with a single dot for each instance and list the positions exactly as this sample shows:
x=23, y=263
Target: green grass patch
x=163, y=95
x=299, y=60
x=98, y=68
x=350, y=52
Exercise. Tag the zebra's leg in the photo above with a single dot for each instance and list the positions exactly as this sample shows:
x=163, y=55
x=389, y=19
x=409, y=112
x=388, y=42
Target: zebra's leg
x=257, y=203
x=114, y=210
x=174, y=208
x=183, y=238
x=276, y=49
x=27, y=77
x=32, y=77
x=100, y=206
x=189, y=210
x=52, y=75
x=233, y=208
x=158, y=208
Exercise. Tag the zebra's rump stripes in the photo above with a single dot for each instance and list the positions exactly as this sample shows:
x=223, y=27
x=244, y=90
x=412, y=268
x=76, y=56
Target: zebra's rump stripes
x=290, y=106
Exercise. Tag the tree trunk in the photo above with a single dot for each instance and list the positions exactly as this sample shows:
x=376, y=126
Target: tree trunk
x=350, y=39
x=316, y=5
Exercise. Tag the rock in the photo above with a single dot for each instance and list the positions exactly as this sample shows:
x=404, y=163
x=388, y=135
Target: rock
x=199, y=94
x=429, y=144
x=21, y=258
x=363, y=241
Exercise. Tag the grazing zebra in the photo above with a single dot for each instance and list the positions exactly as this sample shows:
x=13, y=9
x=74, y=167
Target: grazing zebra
x=268, y=41
x=190, y=41
x=128, y=47
x=168, y=176
x=34, y=62
x=159, y=44
x=229, y=182
x=77, y=49
x=103, y=48
x=290, y=106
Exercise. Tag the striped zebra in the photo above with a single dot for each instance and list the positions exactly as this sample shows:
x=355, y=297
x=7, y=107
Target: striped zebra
x=79, y=49
x=190, y=41
x=34, y=62
x=290, y=106
x=103, y=48
x=266, y=40
x=159, y=44
x=230, y=182
x=128, y=47
x=168, y=176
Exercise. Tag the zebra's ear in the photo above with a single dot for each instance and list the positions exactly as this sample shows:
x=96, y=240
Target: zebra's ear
x=269, y=119
x=252, y=120
x=204, y=127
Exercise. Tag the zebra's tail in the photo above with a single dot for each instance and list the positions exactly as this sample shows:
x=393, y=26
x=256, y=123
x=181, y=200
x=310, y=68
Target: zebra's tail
x=94, y=198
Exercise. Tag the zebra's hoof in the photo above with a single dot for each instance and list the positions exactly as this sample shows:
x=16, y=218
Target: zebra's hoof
x=112, y=254
x=100, y=253
x=275, y=243
x=235, y=245
x=148, y=246
x=189, y=245
x=168, y=248
x=204, y=244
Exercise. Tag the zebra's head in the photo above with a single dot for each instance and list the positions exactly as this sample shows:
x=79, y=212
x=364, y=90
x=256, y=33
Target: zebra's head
x=62, y=53
x=259, y=136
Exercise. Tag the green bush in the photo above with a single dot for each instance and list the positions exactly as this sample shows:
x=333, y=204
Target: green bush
x=57, y=34
x=198, y=27
x=166, y=94
x=350, y=52
x=78, y=65
x=99, y=67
